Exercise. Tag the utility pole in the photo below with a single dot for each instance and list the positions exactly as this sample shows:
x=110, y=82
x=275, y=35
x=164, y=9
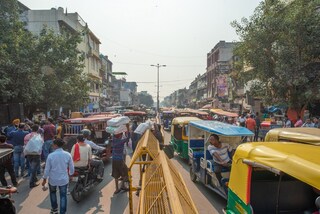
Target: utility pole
x=158, y=66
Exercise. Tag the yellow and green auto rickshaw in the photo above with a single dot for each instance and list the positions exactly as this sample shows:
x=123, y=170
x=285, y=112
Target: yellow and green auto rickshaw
x=274, y=177
x=179, y=135
x=299, y=135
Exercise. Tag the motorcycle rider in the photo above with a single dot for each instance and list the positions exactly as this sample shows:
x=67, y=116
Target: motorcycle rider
x=81, y=153
x=97, y=163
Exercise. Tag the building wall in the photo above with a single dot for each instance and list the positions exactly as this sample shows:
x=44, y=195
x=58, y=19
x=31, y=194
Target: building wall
x=55, y=19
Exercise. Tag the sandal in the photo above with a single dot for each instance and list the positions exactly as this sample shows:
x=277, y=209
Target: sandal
x=117, y=191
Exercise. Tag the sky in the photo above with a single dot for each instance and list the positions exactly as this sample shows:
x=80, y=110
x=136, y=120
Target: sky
x=138, y=33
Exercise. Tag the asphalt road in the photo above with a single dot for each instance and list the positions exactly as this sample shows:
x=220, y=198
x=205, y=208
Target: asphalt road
x=101, y=199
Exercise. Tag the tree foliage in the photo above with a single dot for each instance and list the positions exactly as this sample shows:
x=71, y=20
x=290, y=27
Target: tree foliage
x=18, y=59
x=39, y=69
x=280, y=42
x=62, y=66
x=145, y=99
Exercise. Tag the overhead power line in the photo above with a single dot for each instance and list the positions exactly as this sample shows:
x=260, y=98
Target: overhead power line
x=140, y=64
x=168, y=81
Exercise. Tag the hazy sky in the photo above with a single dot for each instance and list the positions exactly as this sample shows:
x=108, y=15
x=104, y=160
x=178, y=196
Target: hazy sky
x=138, y=33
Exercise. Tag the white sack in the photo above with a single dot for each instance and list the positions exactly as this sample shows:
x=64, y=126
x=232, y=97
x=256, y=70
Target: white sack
x=117, y=121
x=116, y=129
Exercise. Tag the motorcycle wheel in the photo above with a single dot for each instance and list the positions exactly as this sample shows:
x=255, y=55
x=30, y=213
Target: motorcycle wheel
x=77, y=192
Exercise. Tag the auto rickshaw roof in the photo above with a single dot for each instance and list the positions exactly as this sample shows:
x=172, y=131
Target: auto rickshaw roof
x=168, y=112
x=302, y=135
x=220, y=128
x=134, y=113
x=223, y=113
x=4, y=152
x=183, y=120
x=88, y=119
x=297, y=160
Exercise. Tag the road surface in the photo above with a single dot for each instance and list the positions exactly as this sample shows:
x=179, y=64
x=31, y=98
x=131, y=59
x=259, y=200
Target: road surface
x=101, y=198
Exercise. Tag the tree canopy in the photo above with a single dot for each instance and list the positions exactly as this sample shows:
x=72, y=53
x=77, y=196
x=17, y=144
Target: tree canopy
x=145, y=99
x=280, y=45
x=39, y=69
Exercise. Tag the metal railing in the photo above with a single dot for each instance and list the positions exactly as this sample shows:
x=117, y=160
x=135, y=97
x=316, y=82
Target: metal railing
x=162, y=188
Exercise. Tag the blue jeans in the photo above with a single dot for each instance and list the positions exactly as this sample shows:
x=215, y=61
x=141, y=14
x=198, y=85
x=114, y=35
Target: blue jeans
x=63, y=198
x=29, y=169
x=47, y=148
x=18, y=160
x=34, y=163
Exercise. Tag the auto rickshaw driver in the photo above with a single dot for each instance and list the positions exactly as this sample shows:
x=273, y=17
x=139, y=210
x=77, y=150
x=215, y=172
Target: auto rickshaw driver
x=220, y=154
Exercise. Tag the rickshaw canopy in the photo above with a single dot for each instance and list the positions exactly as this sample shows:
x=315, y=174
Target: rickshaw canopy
x=220, y=128
x=302, y=135
x=297, y=160
x=183, y=120
x=135, y=113
x=168, y=112
x=88, y=119
x=223, y=113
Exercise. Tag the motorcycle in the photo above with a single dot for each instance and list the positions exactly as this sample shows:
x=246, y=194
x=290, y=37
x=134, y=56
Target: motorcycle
x=105, y=154
x=6, y=203
x=83, y=180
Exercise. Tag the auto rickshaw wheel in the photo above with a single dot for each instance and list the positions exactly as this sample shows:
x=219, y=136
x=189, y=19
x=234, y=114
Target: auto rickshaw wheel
x=193, y=176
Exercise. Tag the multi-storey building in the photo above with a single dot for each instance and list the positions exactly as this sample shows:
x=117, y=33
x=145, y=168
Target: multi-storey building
x=58, y=20
x=107, y=85
x=217, y=67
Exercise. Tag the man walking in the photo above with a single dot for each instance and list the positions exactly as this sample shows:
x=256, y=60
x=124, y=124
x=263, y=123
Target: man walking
x=7, y=165
x=251, y=124
x=49, y=131
x=33, y=149
x=17, y=140
x=57, y=166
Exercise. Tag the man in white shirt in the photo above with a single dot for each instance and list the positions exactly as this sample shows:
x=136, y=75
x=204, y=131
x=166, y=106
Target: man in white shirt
x=58, y=164
x=220, y=155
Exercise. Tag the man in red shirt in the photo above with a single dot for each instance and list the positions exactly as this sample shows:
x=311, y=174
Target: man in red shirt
x=251, y=124
x=49, y=132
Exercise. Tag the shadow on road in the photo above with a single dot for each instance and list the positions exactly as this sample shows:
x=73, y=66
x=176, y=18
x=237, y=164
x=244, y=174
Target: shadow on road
x=119, y=203
x=214, y=199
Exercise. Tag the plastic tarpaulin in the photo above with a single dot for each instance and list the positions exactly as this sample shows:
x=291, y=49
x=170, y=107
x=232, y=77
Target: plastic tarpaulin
x=223, y=113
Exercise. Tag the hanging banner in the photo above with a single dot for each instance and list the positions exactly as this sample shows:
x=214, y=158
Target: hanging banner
x=222, y=86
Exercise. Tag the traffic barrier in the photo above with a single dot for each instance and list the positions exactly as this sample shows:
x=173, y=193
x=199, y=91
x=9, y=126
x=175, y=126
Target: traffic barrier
x=163, y=189
x=147, y=150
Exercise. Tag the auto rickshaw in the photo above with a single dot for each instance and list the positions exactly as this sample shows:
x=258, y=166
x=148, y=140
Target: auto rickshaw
x=299, y=135
x=179, y=135
x=139, y=116
x=201, y=161
x=274, y=177
x=97, y=126
x=167, y=117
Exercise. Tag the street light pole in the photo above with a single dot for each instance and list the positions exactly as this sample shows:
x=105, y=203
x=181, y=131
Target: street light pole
x=158, y=66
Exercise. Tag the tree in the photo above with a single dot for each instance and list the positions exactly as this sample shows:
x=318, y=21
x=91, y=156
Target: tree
x=145, y=99
x=62, y=65
x=45, y=69
x=280, y=43
x=18, y=59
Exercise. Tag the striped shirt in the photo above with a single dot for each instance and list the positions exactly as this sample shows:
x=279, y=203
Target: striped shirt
x=221, y=152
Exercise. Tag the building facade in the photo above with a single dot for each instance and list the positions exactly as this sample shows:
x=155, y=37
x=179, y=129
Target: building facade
x=58, y=20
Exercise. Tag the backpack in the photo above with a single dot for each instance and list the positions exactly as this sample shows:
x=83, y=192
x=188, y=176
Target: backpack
x=34, y=146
